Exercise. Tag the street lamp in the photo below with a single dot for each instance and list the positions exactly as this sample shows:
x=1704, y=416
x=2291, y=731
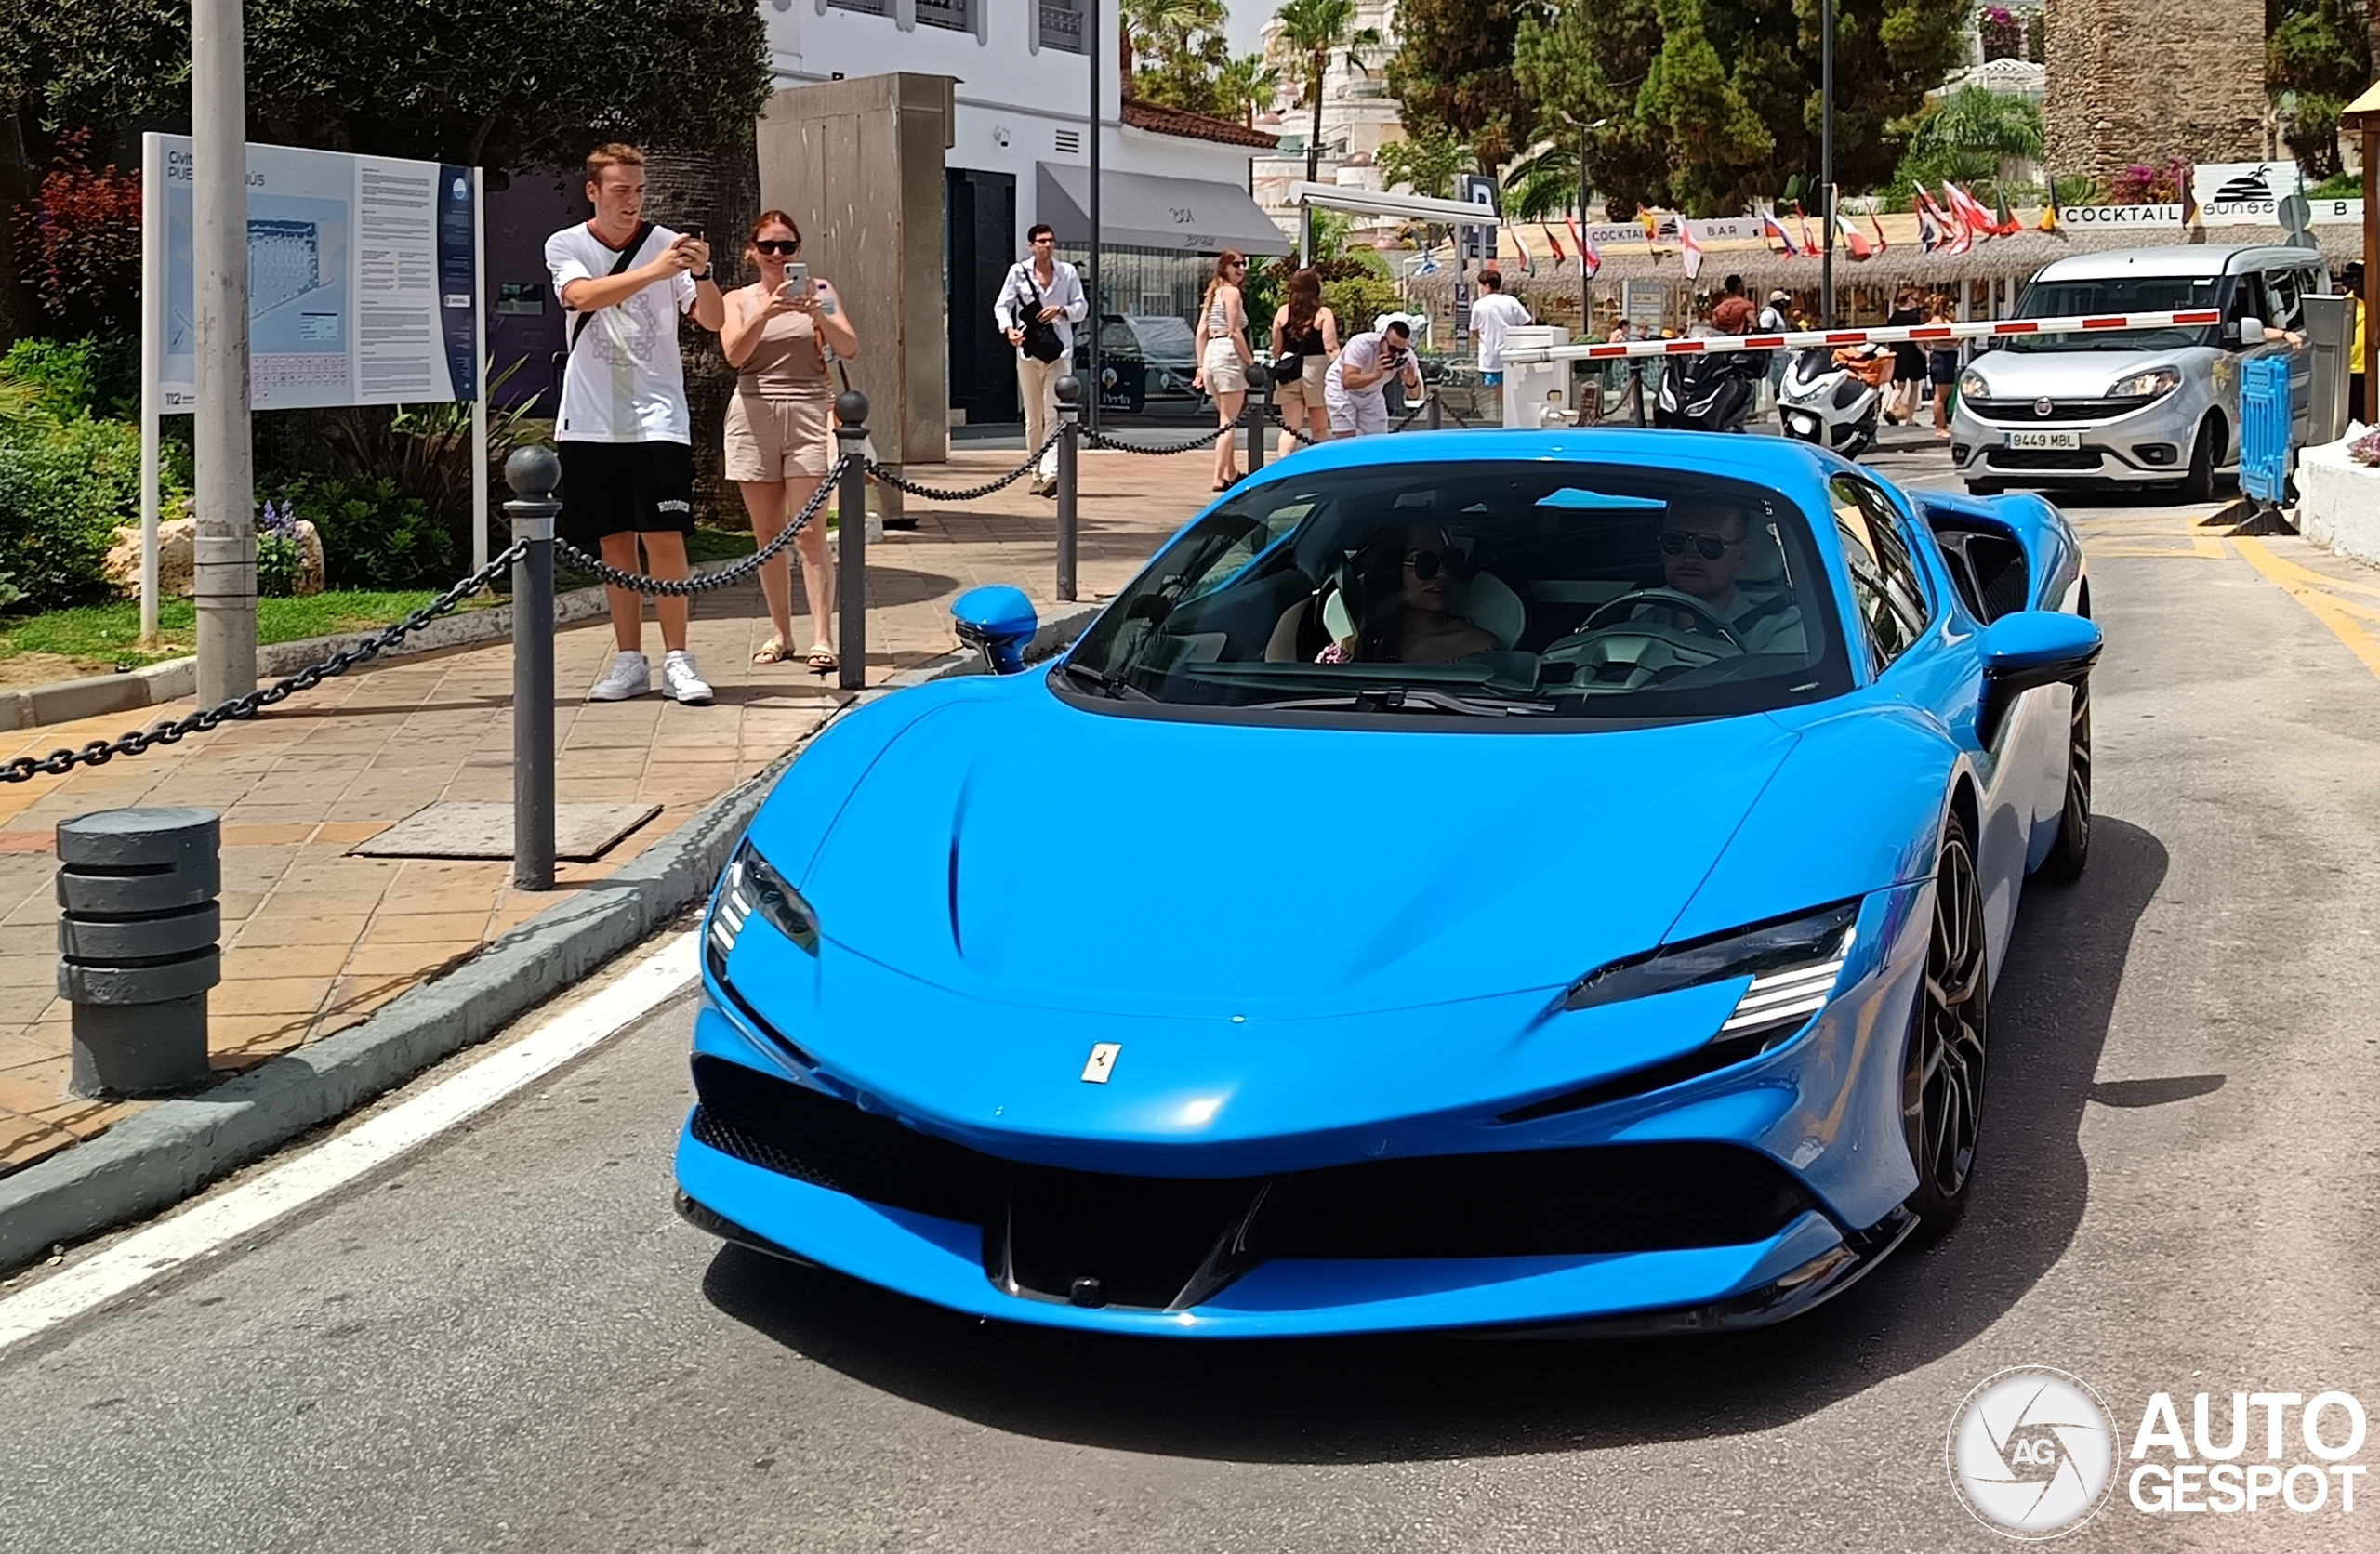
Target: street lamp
x=1585, y=318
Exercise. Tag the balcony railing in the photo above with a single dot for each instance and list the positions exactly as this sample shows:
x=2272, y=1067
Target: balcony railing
x=1061, y=26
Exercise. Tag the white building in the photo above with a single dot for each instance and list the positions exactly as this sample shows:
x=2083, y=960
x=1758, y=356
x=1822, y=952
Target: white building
x=1173, y=186
x=1358, y=115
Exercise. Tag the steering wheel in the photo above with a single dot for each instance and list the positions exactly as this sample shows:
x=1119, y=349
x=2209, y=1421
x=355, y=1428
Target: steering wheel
x=1636, y=598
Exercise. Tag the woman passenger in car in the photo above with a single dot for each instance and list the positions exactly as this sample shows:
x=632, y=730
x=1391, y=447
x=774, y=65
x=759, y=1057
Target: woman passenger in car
x=1400, y=607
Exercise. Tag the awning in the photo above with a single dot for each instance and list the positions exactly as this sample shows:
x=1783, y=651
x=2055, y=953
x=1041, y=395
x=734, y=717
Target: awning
x=1411, y=207
x=1142, y=210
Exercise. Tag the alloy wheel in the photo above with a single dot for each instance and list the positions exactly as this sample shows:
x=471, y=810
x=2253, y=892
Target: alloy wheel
x=1942, y=1074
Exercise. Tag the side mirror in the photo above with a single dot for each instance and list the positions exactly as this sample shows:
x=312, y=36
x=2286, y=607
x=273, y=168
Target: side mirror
x=2027, y=649
x=999, y=621
x=2248, y=331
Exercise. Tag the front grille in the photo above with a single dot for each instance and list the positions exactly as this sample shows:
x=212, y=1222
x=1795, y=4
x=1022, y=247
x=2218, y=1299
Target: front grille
x=2024, y=412
x=1165, y=1242
x=2044, y=458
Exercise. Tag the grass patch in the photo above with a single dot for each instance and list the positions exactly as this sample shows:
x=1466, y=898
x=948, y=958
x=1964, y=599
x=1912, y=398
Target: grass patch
x=106, y=636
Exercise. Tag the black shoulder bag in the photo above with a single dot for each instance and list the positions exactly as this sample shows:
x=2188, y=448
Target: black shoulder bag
x=579, y=324
x=1041, y=341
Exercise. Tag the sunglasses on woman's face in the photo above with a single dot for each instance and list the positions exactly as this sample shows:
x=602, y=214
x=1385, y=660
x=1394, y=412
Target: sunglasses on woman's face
x=772, y=245
x=1426, y=564
x=1709, y=546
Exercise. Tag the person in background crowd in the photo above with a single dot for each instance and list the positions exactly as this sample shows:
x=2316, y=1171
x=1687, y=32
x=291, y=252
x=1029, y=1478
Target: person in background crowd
x=1490, y=316
x=1224, y=356
x=1356, y=386
x=1773, y=320
x=1941, y=365
x=1305, y=335
x=1908, y=362
x=2358, y=399
x=778, y=332
x=1735, y=312
x=628, y=458
x=1042, y=299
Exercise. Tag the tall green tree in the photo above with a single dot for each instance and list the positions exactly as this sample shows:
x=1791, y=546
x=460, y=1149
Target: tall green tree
x=1313, y=33
x=1427, y=159
x=1247, y=85
x=1453, y=70
x=1967, y=139
x=1706, y=104
x=2318, y=55
x=1179, y=53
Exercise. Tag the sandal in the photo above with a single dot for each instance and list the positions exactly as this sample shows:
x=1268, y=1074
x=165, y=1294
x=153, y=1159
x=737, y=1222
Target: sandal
x=772, y=651
x=822, y=660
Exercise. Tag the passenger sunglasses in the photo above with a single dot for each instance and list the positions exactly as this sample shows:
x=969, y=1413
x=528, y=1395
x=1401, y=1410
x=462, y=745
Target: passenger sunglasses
x=1709, y=546
x=775, y=245
x=1426, y=564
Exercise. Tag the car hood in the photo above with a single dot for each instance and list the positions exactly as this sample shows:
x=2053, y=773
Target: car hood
x=1026, y=850
x=2067, y=374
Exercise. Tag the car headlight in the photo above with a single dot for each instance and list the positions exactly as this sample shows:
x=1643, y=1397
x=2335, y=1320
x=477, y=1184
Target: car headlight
x=1972, y=387
x=1793, y=964
x=2150, y=385
x=751, y=886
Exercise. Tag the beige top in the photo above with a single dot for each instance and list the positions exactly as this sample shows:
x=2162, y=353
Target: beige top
x=785, y=363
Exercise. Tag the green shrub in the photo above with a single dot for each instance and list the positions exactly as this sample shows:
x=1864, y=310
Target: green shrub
x=63, y=490
x=1359, y=299
x=374, y=537
x=72, y=380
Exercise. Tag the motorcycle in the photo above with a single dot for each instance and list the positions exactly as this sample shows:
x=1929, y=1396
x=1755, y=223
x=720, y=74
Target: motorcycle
x=1708, y=393
x=1830, y=404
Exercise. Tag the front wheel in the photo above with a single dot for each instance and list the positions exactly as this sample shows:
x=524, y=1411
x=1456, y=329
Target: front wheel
x=2199, y=484
x=2071, y=854
x=1941, y=1087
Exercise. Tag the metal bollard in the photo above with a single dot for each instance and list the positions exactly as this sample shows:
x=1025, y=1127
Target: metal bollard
x=533, y=473
x=851, y=525
x=1069, y=472
x=1257, y=414
x=137, y=946
x=1435, y=391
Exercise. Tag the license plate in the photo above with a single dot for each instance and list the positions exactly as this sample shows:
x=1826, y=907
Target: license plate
x=2044, y=440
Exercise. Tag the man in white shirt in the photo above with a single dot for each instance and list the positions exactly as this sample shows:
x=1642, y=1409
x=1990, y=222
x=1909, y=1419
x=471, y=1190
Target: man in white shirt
x=1041, y=288
x=1356, y=388
x=1490, y=316
x=627, y=459
x=1774, y=321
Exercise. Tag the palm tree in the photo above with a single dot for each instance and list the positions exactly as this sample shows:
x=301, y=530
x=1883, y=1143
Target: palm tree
x=1313, y=31
x=1247, y=83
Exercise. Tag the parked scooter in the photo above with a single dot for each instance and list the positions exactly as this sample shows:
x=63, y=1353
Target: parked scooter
x=1832, y=405
x=1708, y=393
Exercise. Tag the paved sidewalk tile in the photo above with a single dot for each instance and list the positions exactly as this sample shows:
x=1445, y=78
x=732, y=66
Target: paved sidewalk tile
x=315, y=939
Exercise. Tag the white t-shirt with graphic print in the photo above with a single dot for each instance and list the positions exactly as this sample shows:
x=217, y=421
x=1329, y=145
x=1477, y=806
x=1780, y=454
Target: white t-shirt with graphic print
x=623, y=382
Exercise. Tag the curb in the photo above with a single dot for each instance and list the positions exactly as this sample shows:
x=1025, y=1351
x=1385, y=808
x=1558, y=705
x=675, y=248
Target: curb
x=177, y=678
x=159, y=1156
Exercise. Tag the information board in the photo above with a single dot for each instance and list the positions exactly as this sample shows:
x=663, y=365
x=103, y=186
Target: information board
x=362, y=278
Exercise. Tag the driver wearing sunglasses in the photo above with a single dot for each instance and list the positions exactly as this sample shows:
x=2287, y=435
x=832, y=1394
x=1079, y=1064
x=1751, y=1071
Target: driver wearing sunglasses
x=1702, y=550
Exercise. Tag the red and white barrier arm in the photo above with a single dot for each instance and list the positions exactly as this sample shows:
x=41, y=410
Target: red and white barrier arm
x=1882, y=334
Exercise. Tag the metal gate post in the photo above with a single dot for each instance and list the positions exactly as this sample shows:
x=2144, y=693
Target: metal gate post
x=1069, y=477
x=1256, y=413
x=137, y=946
x=850, y=525
x=533, y=473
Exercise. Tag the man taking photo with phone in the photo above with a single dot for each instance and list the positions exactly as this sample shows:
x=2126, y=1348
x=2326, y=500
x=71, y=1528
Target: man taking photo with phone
x=627, y=460
x=1356, y=385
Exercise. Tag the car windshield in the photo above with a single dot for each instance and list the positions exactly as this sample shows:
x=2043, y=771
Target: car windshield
x=1475, y=593
x=2120, y=294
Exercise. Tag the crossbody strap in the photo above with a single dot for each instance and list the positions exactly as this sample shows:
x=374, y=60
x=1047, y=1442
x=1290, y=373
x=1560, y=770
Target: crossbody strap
x=620, y=266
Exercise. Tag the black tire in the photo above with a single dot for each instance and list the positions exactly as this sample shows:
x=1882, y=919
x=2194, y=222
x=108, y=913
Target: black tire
x=2199, y=484
x=1942, y=1068
x=2071, y=854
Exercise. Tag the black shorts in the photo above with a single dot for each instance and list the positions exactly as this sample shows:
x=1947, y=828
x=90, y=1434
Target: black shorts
x=619, y=488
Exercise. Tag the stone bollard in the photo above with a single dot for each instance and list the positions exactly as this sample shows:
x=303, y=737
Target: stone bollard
x=137, y=946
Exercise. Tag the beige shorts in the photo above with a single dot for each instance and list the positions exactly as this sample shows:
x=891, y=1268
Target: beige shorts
x=1307, y=392
x=776, y=439
x=1225, y=374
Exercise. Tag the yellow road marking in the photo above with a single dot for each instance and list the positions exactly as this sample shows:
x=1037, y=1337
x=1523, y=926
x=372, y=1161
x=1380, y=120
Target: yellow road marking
x=2307, y=587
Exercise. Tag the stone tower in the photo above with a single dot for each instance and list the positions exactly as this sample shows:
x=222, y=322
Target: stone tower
x=2144, y=80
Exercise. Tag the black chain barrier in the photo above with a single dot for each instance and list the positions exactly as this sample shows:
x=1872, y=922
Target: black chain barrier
x=973, y=492
x=58, y=763
x=1100, y=439
x=725, y=576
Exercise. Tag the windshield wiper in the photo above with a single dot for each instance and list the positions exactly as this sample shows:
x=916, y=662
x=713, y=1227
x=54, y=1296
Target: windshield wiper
x=1417, y=698
x=1106, y=683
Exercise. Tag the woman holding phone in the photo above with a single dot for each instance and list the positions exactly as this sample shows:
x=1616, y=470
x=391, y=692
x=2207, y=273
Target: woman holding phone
x=777, y=334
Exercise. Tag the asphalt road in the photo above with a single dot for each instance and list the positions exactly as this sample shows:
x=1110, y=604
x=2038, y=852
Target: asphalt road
x=507, y=1341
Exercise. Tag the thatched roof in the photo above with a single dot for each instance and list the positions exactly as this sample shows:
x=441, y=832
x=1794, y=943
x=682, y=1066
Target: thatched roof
x=2012, y=258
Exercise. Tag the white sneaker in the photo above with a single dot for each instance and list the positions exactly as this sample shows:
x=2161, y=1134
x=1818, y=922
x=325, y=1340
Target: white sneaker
x=630, y=676
x=682, y=681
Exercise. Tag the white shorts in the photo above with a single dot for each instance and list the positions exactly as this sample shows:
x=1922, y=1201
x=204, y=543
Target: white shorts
x=1225, y=373
x=1357, y=414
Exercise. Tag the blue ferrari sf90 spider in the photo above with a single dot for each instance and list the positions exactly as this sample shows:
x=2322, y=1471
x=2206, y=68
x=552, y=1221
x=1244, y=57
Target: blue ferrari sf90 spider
x=1490, y=880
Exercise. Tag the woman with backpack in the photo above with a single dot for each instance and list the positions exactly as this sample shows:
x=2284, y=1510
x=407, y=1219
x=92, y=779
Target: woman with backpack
x=1306, y=338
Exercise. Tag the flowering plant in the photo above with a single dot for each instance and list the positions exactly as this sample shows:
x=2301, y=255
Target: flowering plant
x=2142, y=184
x=279, y=559
x=2365, y=450
x=2001, y=32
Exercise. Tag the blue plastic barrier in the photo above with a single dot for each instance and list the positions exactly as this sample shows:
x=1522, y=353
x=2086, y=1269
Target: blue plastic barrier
x=2263, y=427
